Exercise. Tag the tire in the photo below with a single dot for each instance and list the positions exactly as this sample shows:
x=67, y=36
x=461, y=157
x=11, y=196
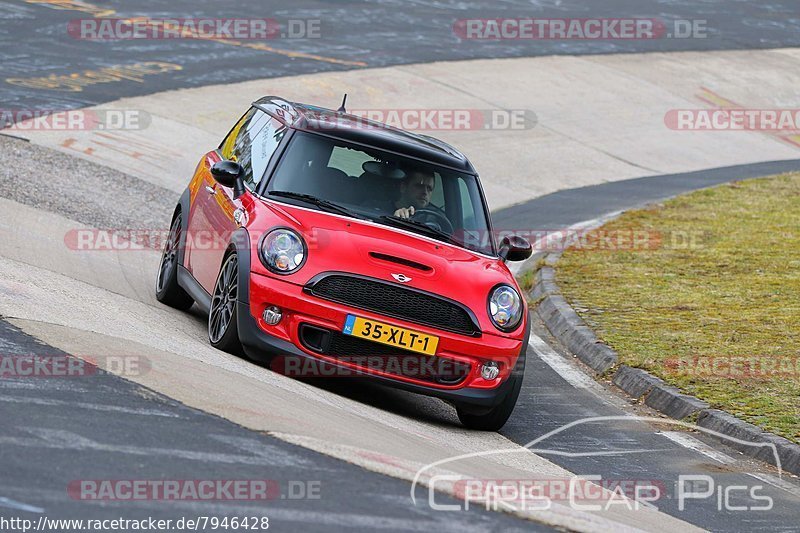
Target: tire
x=223, y=331
x=256, y=356
x=492, y=419
x=168, y=291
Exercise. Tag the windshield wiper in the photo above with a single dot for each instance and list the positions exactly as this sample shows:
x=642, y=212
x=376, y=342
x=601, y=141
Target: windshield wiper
x=319, y=202
x=420, y=227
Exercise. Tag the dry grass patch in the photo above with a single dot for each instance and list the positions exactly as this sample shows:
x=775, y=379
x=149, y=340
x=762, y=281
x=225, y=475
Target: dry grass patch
x=719, y=318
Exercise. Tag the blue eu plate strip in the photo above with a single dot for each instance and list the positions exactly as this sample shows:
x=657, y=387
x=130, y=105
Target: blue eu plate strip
x=348, y=324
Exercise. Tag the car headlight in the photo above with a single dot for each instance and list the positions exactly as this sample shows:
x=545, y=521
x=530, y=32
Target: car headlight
x=505, y=308
x=283, y=251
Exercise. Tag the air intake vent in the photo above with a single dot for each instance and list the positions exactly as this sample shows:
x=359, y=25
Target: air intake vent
x=400, y=261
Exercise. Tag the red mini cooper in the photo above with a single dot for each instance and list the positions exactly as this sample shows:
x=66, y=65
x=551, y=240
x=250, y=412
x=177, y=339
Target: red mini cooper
x=315, y=239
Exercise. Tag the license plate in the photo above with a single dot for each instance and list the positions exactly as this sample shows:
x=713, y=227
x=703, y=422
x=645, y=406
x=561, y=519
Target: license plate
x=390, y=335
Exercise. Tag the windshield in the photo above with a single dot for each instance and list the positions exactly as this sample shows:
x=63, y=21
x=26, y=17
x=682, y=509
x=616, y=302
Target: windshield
x=386, y=188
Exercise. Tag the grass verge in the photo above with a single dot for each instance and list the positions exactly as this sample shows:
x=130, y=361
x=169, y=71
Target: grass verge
x=709, y=298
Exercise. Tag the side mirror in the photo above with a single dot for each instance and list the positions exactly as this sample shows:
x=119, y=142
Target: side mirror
x=229, y=174
x=515, y=248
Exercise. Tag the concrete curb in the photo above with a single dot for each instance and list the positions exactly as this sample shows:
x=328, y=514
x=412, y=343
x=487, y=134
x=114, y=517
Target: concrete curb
x=573, y=333
x=567, y=326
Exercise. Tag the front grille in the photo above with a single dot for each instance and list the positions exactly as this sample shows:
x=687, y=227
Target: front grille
x=398, y=302
x=375, y=356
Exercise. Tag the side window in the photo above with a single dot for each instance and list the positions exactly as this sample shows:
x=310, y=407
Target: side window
x=262, y=147
x=467, y=208
x=251, y=143
x=242, y=149
x=437, y=198
x=230, y=140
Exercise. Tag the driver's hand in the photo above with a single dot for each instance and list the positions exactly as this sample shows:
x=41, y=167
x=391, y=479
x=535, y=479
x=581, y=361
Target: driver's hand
x=405, y=212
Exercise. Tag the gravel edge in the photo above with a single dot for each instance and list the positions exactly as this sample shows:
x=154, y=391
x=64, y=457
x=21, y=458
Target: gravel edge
x=82, y=191
x=573, y=333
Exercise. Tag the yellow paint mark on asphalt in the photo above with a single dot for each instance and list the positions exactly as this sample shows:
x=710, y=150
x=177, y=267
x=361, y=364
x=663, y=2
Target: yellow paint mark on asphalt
x=75, y=82
x=75, y=5
x=194, y=34
x=288, y=53
x=716, y=100
x=792, y=139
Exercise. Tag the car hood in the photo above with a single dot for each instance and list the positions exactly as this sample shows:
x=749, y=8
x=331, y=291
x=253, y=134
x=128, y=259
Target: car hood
x=343, y=244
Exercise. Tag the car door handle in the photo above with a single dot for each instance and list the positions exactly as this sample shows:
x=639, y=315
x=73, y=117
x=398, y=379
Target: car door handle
x=211, y=190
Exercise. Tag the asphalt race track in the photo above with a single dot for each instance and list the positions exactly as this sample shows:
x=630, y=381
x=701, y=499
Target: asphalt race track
x=572, y=206
x=72, y=437
x=357, y=444
x=33, y=43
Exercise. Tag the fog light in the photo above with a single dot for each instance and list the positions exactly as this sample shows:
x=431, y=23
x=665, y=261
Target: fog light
x=272, y=315
x=490, y=371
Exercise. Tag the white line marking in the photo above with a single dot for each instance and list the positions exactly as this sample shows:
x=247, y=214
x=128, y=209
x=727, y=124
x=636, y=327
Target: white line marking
x=698, y=446
x=687, y=441
x=777, y=482
x=65, y=440
x=11, y=504
x=92, y=406
x=570, y=374
x=41, y=385
x=580, y=380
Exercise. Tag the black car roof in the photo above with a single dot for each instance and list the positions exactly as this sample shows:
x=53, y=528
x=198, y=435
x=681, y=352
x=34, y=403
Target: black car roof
x=359, y=130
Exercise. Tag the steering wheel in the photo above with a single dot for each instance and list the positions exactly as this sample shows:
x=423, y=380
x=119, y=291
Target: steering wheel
x=434, y=219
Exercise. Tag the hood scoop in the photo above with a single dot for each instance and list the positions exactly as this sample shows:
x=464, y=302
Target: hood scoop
x=400, y=261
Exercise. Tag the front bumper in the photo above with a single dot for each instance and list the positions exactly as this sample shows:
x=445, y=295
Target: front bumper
x=300, y=308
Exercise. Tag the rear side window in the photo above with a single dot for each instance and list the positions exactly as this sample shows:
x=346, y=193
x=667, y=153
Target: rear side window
x=252, y=143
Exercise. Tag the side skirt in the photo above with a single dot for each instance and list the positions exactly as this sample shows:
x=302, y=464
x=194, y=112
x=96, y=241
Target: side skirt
x=195, y=290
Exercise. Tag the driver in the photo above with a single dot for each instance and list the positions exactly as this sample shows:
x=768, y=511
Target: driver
x=415, y=193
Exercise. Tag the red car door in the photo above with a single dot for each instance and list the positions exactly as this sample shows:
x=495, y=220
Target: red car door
x=251, y=143
x=210, y=225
